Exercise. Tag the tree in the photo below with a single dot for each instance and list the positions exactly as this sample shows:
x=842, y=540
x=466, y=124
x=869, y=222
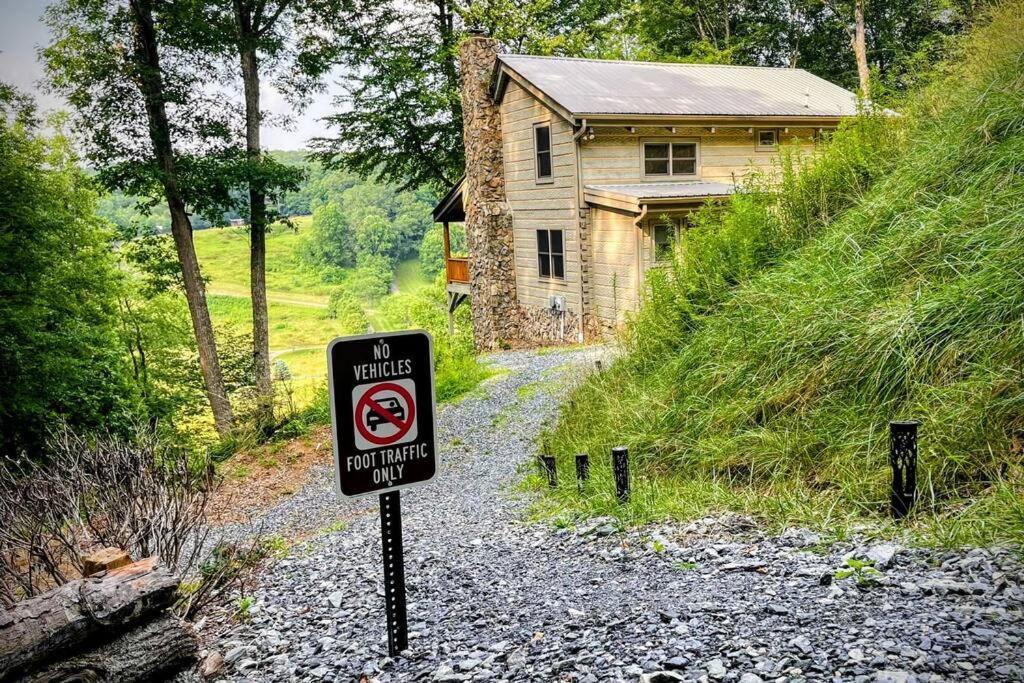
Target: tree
x=261, y=34
x=400, y=118
x=856, y=32
x=107, y=58
x=331, y=240
x=59, y=352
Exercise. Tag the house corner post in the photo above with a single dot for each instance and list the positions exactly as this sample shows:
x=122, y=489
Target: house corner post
x=489, y=236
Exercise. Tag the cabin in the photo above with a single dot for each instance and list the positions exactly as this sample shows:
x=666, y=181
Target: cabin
x=581, y=173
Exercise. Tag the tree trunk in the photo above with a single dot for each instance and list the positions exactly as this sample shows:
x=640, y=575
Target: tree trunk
x=257, y=220
x=150, y=84
x=860, y=51
x=57, y=622
x=150, y=652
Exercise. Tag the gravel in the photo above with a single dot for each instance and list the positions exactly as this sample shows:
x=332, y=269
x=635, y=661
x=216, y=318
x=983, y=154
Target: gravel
x=493, y=597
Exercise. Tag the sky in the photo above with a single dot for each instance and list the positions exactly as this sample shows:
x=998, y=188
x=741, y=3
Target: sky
x=22, y=33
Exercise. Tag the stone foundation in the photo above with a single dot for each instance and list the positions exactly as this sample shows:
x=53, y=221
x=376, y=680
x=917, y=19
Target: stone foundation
x=544, y=327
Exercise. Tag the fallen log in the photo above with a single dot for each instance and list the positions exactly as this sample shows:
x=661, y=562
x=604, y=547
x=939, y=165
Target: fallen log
x=149, y=652
x=51, y=625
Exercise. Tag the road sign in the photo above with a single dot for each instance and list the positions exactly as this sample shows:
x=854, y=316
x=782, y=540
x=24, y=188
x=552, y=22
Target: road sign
x=382, y=420
x=382, y=411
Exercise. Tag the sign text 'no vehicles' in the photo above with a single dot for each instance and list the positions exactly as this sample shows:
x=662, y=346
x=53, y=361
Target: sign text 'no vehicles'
x=382, y=407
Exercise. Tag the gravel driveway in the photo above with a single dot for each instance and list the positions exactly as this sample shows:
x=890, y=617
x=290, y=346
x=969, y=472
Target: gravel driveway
x=493, y=598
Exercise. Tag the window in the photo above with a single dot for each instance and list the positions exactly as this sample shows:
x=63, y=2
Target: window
x=550, y=254
x=767, y=140
x=670, y=158
x=542, y=147
x=664, y=240
x=666, y=233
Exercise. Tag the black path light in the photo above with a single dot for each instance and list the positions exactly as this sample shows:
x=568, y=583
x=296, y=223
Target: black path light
x=582, y=470
x=620, y=467
x=548, y=464
x=903, y=460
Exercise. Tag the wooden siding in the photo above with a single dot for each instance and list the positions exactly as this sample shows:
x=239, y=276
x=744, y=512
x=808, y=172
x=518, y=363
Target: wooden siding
x=615, y=267
x=615, y=157
x=550, y=204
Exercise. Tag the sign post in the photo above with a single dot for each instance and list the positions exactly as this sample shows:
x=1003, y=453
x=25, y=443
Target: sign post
x=382, y=419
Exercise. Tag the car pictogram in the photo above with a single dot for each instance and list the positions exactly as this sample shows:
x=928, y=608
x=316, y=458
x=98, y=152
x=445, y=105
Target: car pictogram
x=373, y=418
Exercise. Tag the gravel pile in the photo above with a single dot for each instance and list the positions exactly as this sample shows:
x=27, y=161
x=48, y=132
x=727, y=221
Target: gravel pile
x=492, y=598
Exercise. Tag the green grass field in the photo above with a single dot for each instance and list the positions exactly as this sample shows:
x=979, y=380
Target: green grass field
x=224, y=258
x=300, y=327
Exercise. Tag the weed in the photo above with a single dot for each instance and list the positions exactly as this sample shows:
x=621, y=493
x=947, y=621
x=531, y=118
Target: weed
x=863, y=571
x=243, y=607
x=684, y=566
x=334, y=527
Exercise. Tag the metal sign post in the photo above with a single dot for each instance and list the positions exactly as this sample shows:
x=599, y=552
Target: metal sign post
x=382, y=420
x=394, y=571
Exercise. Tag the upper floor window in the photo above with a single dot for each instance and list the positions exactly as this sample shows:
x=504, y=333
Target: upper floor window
x=550, y=254
x=542, y=147
x=767, y=139
x=670, y=158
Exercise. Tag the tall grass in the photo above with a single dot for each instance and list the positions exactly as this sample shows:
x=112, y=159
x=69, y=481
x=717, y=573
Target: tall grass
x=885, y=281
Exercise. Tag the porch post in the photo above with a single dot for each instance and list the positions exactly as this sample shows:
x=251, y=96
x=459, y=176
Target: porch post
x=447, y=251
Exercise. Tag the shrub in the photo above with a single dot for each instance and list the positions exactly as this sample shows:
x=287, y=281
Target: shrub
x=140, y=495
x=345, y=307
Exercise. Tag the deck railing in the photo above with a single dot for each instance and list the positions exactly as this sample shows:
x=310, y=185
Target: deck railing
x=458, y=270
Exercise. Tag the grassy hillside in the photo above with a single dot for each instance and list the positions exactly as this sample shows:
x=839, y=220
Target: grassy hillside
x=300, y=321
x=763, y=370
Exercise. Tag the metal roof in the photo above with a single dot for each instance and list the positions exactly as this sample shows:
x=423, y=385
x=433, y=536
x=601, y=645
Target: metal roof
x=647, y=191
x=597, y=86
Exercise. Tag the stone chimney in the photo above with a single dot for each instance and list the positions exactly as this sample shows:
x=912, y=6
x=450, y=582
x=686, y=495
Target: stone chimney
x=489, y=235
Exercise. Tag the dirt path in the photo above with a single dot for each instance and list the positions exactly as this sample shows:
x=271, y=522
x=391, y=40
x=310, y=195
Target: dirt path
x=494, y=598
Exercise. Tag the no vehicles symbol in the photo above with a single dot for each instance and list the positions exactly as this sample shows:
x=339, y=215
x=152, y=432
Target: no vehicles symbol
x=384, y=414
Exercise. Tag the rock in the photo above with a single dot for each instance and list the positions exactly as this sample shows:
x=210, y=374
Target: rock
x=798, y=537
x=446, y=674
x=661, y=677
x=336, y=599
x=234, y=654
x=881, y=554
x=605, y=530
x=777, y=608
x=751, y=678
x=895, y=677
x=716, y=669
x=802, y=643
x=212, y=665
x=676, y=663
x=743, y=566
x=469, y=664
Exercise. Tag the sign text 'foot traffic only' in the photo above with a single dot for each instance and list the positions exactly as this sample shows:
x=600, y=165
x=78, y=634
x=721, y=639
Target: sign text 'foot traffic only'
x=382, y=411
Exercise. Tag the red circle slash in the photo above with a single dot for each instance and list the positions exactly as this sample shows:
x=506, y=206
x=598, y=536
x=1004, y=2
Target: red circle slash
x=367, y=401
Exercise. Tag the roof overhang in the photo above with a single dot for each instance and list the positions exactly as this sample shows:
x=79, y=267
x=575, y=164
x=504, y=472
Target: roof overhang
x=633, y=198
x=626, y=120
x=451, y=209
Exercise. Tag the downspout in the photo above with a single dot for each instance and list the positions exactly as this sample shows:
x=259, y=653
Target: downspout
x=638, y=222
x=579, y=209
